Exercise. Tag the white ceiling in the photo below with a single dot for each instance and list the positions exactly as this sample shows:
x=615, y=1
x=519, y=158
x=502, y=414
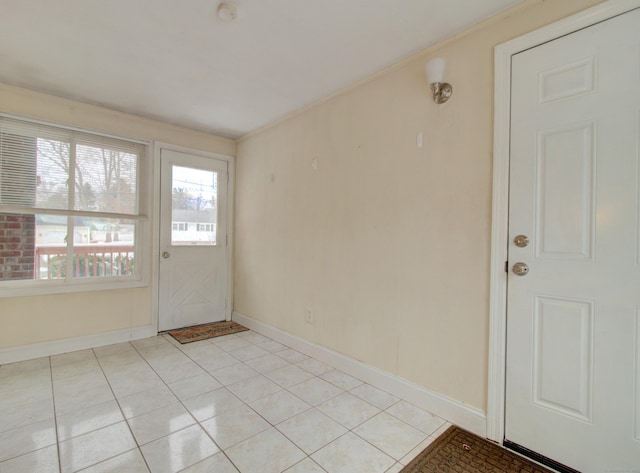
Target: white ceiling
x=176, y=61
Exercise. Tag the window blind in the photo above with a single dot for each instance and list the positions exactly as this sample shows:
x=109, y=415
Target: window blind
x=48, y=167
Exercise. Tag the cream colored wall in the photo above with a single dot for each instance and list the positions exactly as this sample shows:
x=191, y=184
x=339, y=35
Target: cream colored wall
x=29, y=320
x=387, y=243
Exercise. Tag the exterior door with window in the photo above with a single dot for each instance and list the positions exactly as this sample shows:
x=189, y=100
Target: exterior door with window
x=193, y=240
x=573, y=324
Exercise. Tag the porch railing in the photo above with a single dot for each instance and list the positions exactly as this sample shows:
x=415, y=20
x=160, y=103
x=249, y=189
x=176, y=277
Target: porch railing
x=89, y=260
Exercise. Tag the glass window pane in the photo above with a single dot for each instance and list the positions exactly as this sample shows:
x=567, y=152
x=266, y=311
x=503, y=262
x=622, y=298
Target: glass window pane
x=35, y=247
x=51, y=246
x=52, y=189
x=194, y=210
x=32, y=246
x=105, y=180
x=17, y=246
x=103, y=247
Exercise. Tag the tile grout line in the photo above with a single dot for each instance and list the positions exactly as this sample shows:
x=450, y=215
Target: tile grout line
x=198, y=422
x=55, y=415
x=181, y=401
x=272, y=426
x=223, y=451
x=115, y=398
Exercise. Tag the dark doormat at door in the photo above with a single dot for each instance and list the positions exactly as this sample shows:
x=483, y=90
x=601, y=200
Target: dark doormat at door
x=459, y=451
x=205, y=331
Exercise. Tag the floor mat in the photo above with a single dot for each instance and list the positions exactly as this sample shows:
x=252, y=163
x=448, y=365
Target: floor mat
x=205, y=331
x=460, y=451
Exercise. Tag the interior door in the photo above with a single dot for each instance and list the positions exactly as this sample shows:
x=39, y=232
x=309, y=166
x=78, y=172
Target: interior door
x=573, y=324
x=193, y=240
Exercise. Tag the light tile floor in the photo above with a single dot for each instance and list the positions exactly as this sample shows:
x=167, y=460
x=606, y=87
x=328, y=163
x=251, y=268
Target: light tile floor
x=238, y=403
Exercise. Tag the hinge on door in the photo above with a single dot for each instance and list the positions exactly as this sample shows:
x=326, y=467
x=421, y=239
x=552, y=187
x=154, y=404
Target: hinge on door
x=226, y=239
x=506, y=266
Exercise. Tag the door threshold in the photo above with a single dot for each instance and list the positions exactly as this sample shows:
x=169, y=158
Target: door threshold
x=535, y=456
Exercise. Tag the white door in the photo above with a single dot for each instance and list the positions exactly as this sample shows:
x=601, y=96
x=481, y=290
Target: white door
x=573, y=323
x=193, y=240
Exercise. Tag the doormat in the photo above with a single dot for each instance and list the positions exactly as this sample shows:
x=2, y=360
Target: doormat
x=205, y=331
x=459, y=451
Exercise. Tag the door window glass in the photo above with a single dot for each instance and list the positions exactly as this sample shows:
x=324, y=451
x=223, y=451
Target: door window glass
x=194, y=208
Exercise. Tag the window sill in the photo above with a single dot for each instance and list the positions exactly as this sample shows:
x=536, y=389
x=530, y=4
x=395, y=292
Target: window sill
x=31, y=288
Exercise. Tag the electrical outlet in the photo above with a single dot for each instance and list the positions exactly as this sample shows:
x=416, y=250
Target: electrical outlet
x=308, y=315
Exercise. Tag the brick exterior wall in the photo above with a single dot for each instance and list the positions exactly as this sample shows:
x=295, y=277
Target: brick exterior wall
x=17, y=246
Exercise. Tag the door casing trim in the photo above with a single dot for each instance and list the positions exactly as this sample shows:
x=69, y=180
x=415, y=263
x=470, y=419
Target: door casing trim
x=500, y=200
x=155, y=228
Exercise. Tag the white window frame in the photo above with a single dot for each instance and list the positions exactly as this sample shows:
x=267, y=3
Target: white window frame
x=141, y=246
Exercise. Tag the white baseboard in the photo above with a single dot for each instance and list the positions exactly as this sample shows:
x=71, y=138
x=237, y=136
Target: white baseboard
x=454, y=411
x=66, y=345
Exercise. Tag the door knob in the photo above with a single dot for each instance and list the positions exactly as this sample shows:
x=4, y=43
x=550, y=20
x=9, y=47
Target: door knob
x=165, y=254
x=521, y=241
x=520, y=269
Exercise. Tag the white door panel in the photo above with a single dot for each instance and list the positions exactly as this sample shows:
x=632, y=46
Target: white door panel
x=193, y=240
x=562, y=356
x=573, y=352
x=565, y=163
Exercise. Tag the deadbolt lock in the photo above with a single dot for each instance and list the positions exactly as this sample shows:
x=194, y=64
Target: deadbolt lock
x=521, y=241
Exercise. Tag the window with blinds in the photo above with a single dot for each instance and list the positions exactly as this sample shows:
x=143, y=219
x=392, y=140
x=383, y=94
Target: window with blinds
x=70, y=206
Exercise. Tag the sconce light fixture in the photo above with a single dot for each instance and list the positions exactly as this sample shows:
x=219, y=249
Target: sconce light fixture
x=435, y=72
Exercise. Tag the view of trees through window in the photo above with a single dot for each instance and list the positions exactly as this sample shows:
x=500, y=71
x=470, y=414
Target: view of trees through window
x=104, y=179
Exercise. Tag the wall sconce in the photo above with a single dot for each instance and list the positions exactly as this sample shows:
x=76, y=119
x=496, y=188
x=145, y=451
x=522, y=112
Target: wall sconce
x=435, y=72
